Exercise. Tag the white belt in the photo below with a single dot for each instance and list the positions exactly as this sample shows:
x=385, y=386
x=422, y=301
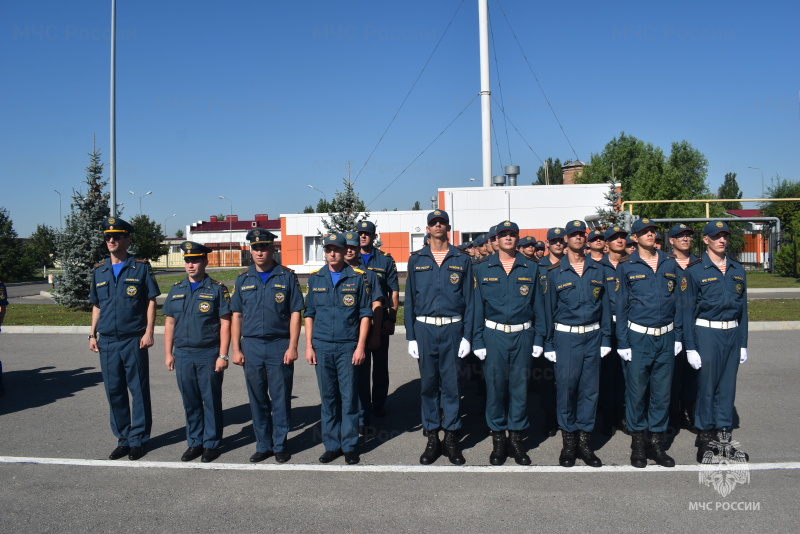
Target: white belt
x=507, y=328
x=650, y=331
x=719, y=325
x=438, y=321
x=582, y=329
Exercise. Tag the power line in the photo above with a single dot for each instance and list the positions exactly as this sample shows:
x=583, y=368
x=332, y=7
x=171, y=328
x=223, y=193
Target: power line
x=553, y=111
x=424, y=150
x=500, y=90
x=435, y=48
x=523, y=138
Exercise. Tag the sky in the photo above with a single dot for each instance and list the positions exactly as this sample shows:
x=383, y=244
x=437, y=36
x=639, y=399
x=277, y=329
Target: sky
x=257, y=100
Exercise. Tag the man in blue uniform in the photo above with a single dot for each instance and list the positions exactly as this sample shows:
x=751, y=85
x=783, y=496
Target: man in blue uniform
x=578, y=335
x=648, y=325
x=503, y=336
x=438, y=317
x=716, y=340
x=538, y=250
x=544, y=371
x=684, y=378
x=197, y=334
x=265, y=330
x=596, y=241
x=123, y=296
x=338, y=312
x=3, y=306
x=382, y=264
x=527, y=246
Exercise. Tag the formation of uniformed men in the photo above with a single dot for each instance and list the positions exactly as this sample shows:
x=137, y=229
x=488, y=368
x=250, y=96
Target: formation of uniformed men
x=677, y=322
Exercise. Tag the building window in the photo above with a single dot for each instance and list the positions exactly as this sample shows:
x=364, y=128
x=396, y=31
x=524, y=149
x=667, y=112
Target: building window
x=314, y=251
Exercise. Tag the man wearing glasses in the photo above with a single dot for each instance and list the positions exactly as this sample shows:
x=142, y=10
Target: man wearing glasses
x=123, y=296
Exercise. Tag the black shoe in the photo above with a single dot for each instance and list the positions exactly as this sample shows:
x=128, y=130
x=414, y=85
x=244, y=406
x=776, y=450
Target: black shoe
x=704, y=453
x=687, y=421
x=432, y=450
x=550, y=427
x=191, y=453
x=119, y=452
x=451, y=448
x=654, y=450
x=329, y=456
x=260, y=456
x=569, y=449
x=351, y=458
x=378, y=411
x=638, y=454
x=499, y=448
x=209, y=455
x=282, y=457
x=726, y=449
x=585, y=451
x=136, y=453
x=515, y=448
x=366, y=430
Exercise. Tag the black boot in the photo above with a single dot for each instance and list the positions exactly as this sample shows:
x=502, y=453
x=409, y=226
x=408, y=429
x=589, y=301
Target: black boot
x=638, y=454
x=688, y=420
x=622, y=423
x=655, y=450
x=433, y=449
x=516, y=449
x=704, y=453
x=451, y=449
x=569, y=450
x=585, y=451
x=727, y=450
x=499, y=454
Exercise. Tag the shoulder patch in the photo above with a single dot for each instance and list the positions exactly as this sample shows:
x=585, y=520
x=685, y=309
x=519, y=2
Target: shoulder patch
x=242, y=271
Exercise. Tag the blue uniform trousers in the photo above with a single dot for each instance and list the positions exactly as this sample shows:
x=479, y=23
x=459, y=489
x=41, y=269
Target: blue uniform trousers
x=376, y=367
x=439, y=376
x=649, y=369
x=577, y=370
x=716, y=380
x=507, y=370
x=269, y=387
x=201, y=391
x=126, y=367
x=338, y=390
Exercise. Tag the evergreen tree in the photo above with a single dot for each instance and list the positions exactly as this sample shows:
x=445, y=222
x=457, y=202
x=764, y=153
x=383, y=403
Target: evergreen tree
x=730, y=189
x=553, y=175
x=81, y=244
x=611, y=214
x=179, y=233
x=14, y=267
x=416, y=206
x=41, y=247
x=345, y=210
x=146, y=239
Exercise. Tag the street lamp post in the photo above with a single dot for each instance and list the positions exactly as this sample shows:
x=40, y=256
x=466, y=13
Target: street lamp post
x=323, y=194
x=166, y=236
x=762, y=179
x=140, y=198
x=60, y=219
x=230, y=229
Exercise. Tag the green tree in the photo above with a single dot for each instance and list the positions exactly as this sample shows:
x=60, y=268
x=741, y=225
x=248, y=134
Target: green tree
x=611, y=213
x=309, y=209
x=179, y=233
x=146, y=239
x=416, y=206
x=345, y=210
x=550, y=173
x=785, y=211
x=41, y=247
x=81, y=244
x=730, y=189
x=14, y=266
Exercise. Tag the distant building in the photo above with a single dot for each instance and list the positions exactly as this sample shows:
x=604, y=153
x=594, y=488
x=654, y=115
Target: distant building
x=227, y=237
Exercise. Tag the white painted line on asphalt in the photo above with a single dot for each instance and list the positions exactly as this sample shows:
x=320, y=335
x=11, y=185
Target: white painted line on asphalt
x=382, y=468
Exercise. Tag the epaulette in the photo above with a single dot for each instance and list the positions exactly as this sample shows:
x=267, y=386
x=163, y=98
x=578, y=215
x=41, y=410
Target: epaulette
x=626, y=258
x=416, y=252
x=671, y=255
x=218, y=283
x=242, y=271
x=96, y=265
x=382, y=253
x=698, y=260
x=137, y=260
x=480, y=260
x=359, y=271
x=177, y=283
x=315, y=271
x=550, y=268
x=288, y=270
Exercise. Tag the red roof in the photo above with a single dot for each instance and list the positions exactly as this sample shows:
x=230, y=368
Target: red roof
x=746, y=213
x=208, y=226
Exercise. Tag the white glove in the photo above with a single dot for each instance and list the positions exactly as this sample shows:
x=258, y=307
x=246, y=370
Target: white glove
x=413, y=349
x=625, y=354
x=551, y=356
x=537, y=351
x=743, y=356
x=464, y=348
x=678, y=347
x=480, y=353
x=694, y=359
x=604, y=351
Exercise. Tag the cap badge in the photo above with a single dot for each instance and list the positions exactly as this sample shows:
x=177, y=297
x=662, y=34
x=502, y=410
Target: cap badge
x=332, y=236
x=188, y=246
x=646, y=221
x=720, y=224
x=111, y=220
x=576, y=223
x=437, y=212
x=507, y=223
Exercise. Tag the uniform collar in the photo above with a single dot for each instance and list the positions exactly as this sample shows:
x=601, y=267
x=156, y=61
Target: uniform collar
x=708, y=263
x=130, y=261
x=519, y=259
x=277, y=268
x=205, y=282
x=660, y=255
x=451, y=251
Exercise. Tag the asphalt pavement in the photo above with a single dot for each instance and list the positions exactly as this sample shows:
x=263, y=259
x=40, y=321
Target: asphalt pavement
x=55, y=438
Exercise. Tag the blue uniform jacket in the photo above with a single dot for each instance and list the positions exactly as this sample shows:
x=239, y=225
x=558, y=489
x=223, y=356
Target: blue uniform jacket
x=434, y=291
x=647, y=298
x=505, y=299
x=374, y=281
x=197, y=312
x=266, y=308
x=337, y=311
x=612, y=280
x=383, y=265
x=710, y=295
x=123, y=303
x=576, y=300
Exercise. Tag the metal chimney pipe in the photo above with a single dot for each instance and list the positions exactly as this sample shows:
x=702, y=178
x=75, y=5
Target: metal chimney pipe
x=512, y=171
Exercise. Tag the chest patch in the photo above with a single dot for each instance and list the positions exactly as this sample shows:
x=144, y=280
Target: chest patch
x=739, y=288
x=131, y=291
x=279, y=297
x=204, y=307
x=596, y=292
x=684, y=283
x=348, y=300
x=454, y=278
x=524, y=290
x=670, y=285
